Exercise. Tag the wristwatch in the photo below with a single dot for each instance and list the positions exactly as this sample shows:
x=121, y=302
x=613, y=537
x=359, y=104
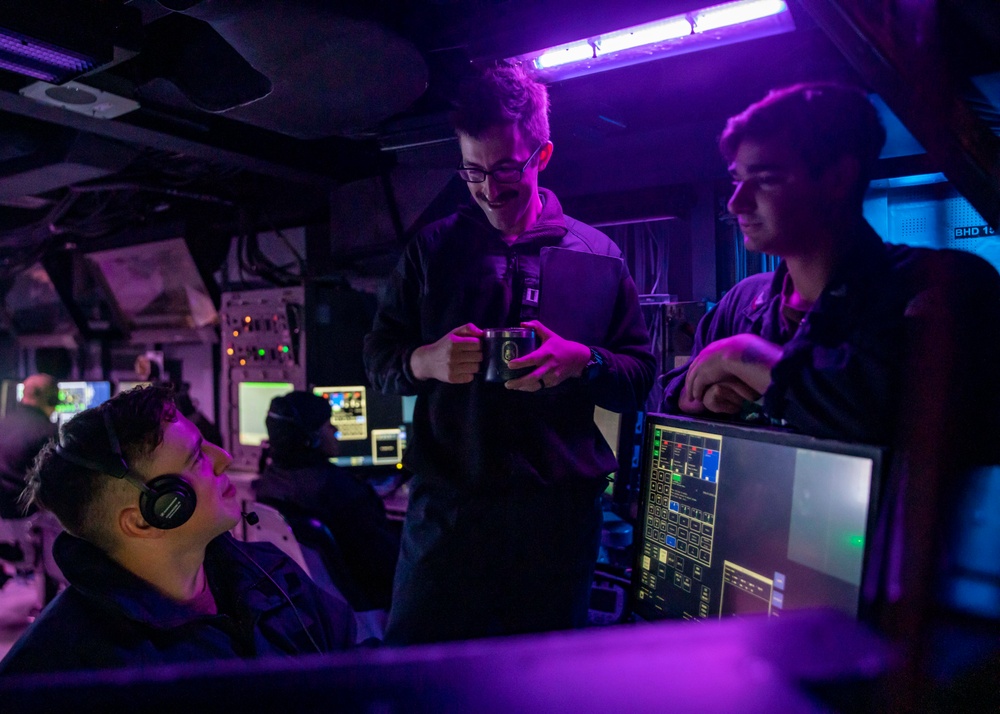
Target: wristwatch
x=595, y=366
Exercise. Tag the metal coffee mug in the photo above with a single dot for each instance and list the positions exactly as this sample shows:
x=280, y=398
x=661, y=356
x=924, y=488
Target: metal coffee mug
x=503, y=344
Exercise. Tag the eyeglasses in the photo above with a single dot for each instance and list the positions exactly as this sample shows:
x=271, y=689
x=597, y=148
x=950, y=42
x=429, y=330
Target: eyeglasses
x=502, y=175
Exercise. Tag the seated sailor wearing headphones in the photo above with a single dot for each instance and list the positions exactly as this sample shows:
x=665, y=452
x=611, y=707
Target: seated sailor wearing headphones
x=154, y=576
x=300, y=477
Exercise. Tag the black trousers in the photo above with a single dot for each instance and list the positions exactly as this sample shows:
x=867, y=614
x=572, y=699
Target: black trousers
x=481, y=566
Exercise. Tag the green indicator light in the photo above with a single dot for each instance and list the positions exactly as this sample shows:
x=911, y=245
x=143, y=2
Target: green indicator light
x=855, y=540
x=285, y=348
x=261, y=352
x=676, y=477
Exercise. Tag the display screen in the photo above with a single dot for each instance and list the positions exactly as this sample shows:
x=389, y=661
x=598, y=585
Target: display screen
x=371, y=427
x=254, y=402
x=736, y=520
x=74, y=397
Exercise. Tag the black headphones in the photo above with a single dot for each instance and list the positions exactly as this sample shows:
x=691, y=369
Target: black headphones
x=313, y=438
x=165, y=502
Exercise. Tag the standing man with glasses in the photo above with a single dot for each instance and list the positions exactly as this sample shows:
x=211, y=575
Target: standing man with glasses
x=504, y=519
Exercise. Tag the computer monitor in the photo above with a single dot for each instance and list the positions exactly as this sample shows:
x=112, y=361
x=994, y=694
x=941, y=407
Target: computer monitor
x=371, y=427
x=254, y=402
x=736, y=520
x=74, y=397
x=10, y=394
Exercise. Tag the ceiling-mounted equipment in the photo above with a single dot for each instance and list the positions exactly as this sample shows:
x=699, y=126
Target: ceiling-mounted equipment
x=77, y=97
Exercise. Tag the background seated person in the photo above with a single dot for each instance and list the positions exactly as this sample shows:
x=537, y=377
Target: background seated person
x=154, y=577
x=844, y=338
x=25, y=430
x=300, y=475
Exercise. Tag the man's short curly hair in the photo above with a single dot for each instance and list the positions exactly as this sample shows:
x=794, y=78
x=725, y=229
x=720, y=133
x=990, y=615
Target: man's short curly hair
x=823, y=121
x=73, y=493
x=502, y=94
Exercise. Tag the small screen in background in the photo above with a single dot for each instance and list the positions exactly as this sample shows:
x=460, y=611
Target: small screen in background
x=254, y=402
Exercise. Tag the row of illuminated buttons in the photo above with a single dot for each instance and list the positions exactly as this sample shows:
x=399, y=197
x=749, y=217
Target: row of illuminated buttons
x=251, y=356
x=660, y=484
x=685, y=535
x=692, y=550
x=682, y=581
x=686, y=511
x=250, y=323
x=659, y=500
x=697, y=526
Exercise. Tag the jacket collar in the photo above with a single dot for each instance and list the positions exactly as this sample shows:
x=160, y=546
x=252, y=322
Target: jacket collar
x=101, y=579
x=866, y=257
x=549, y=229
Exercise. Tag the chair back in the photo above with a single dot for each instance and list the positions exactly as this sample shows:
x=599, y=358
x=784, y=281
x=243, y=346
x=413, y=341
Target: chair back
x=271, y=527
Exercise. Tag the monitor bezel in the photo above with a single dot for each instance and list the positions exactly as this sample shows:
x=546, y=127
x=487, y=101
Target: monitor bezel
x=771, y=435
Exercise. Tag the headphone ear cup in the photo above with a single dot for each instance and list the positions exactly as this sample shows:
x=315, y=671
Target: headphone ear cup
x=168, y=502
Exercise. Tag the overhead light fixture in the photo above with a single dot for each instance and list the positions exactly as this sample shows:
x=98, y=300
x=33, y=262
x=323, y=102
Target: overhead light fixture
x=58, y=40
x=736, y=13
x=709, y=27
x=41, y=60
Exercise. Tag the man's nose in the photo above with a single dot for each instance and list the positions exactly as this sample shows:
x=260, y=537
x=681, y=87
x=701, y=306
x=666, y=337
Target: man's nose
x=742, y=199
x=220, y=458
x=491, y=188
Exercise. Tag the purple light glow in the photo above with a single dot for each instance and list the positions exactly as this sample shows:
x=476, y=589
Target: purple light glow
x=736, y=13
x=26, y=71
x=735, y=21
x=648, y=34
x=43, y=53
x=565, y=54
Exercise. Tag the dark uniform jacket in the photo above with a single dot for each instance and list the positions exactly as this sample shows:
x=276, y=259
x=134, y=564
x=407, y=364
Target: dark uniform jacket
x=108, y=617
x=23, y=433
x=482, y=436
x=851, y=367
x=352, y=511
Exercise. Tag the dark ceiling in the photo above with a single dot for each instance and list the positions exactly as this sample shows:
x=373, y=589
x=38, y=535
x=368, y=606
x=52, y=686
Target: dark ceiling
x=256, y=114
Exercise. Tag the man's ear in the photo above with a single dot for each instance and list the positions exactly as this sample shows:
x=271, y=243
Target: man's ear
x=132, y=525
x=544, y=154
x=841, y=177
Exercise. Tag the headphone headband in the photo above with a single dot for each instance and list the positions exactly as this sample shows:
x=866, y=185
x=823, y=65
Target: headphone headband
x=165, y=502
x=283, y=417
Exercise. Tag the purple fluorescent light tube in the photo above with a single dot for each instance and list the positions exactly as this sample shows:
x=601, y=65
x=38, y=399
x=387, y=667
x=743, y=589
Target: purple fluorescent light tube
x=647, y=34
x=564, y=54
x=736, y=13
